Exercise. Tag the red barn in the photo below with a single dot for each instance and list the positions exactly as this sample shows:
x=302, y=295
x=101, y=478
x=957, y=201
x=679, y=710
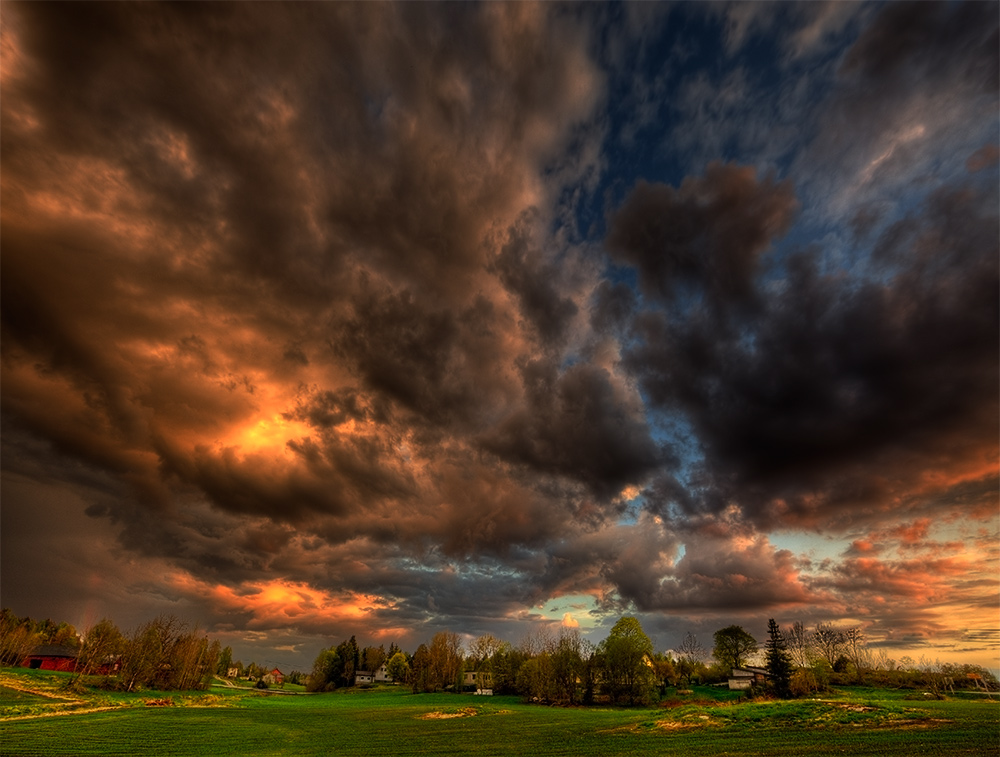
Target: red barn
x=51, y=657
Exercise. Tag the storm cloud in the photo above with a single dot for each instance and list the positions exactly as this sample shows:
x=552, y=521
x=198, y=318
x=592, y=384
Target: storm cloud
x=378, y=319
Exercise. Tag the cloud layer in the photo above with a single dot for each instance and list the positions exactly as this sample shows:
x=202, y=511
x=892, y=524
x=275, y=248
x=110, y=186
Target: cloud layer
x=348, y=318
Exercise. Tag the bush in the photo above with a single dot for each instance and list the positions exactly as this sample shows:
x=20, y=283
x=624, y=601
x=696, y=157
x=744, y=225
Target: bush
x=803, y=683
x=261, y=684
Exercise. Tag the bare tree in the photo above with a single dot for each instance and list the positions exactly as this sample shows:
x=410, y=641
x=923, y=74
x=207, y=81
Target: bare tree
x=100, y=650
x=691, y=649
x=17, y=638
x=482, y=649
x=854, y=648
x=445, y=659
x=829, y=642
x=799, y=644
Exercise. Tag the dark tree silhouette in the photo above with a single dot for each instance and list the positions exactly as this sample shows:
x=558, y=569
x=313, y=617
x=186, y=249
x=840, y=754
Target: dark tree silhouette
x=779, y=662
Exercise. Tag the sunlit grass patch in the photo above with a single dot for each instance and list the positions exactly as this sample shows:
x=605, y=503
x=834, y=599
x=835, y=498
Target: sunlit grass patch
x=812, y=714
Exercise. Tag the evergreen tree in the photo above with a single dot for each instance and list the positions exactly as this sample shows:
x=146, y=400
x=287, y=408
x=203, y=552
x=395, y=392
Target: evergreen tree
x=779, y=661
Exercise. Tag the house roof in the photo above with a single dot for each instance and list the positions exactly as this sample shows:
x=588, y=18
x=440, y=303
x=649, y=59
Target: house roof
x=748, y=671
x=53, y=650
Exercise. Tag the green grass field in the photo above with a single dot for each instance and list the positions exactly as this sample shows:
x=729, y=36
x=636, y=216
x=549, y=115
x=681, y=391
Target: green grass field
x=38, y=717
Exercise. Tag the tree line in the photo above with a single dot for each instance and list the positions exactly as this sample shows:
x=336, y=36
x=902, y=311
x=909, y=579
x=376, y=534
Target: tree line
x=622, y=669
x=801, y=661
x=163, y=653
x=625, y=669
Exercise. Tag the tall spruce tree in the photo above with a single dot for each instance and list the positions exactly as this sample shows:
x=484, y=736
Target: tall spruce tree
x=779, y=661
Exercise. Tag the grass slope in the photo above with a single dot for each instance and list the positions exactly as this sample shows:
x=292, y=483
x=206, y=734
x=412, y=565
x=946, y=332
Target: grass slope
x=393, y=721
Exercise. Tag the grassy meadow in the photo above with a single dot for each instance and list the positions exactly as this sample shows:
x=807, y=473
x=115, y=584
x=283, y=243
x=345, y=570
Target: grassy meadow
x=38, y=716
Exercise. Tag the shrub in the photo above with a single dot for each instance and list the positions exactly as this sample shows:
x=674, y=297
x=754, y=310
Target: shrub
x=803, y=683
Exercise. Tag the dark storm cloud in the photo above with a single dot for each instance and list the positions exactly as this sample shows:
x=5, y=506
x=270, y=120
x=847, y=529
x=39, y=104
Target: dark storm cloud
x=575, y=423
x=303, y=306
x=839, y=393
x=534, y=283
x=952, y=42
x=334, y=408
x=273, y=267
x=705, y=236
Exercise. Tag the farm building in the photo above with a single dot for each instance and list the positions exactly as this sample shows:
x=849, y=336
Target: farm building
x=275, y=677
x=744, y=678
x=51, y=657
x=363, y=676
x=382, y=675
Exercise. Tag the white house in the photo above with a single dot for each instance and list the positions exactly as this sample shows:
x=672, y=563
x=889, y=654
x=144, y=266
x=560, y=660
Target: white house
x=481, y=680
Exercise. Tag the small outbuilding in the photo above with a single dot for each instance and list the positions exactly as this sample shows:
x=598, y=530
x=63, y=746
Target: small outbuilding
x=51, y=657
x=745, y=677
x=363, y=677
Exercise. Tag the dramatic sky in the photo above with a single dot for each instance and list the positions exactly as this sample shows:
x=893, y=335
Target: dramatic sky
x=327, y=319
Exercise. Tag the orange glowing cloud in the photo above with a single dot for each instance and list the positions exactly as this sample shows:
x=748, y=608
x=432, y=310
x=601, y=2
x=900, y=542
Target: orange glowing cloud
x=278, y=603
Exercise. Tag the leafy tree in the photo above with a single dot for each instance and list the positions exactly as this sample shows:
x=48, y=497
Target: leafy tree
x=535, y=679
x=841, y=664
x=421, y=677
x=326, y=672
x=592, y=666
x=626, y=654
x=350, y=659
x=505, y=664
x=567, y=662
x=372, y=658
x=398, y=668
x=733, y=645
x=59, y=634
x=779, y=662
x=225, y=662
x=665, y=671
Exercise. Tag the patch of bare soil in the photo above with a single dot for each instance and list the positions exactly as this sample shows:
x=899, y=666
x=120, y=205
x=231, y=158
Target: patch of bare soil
x=61, y=713
x=915, y=724
x=18, y=685
x=465, y=712
x=698, y=721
